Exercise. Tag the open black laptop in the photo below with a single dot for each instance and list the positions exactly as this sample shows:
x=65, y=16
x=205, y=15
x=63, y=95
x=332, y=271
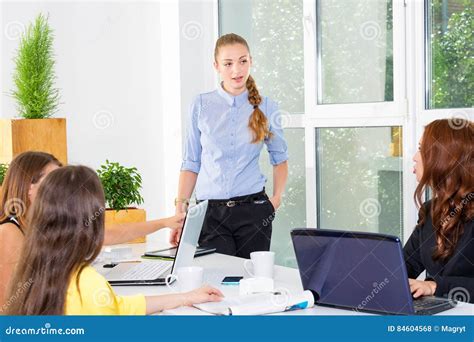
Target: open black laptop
x=359, y=271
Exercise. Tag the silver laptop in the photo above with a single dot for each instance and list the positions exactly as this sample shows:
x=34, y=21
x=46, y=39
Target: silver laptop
x=154, y=272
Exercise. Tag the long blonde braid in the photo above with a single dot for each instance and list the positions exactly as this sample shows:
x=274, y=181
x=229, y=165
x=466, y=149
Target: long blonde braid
x=258, y=122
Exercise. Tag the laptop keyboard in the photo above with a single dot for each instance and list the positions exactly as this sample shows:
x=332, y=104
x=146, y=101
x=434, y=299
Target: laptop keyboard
x=428, y=302
x=147, y=270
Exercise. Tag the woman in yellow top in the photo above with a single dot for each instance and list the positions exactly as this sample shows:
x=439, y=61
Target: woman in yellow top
x=24, y=176
x=65, y=235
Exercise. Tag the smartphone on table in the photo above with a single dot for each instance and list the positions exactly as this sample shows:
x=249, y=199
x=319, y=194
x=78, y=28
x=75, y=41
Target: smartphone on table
x=231, y=280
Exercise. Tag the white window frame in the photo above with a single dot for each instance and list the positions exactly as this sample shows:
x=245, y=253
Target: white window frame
x=377, y=114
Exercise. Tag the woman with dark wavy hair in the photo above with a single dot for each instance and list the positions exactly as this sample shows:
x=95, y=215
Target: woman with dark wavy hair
x=443, y=240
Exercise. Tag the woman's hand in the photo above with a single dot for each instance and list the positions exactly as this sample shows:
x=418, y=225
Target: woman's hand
x=422, y=288
x=176, y=232
x=174, y=236
x=202, y=295
x=171, y=301
x=176, y=225
x=175, y=222
x=276, y=201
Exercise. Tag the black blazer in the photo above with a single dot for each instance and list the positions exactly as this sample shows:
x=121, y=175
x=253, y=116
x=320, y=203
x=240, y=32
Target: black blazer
x=456, y=274
x=13, y=220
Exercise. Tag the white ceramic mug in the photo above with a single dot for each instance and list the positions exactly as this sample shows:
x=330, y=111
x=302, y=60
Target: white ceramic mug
x=262, y=263
x=187, y=278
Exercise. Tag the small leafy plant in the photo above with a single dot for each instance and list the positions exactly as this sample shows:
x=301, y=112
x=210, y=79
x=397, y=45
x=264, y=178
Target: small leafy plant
x=34, y=75
x=3, y=172
x=121, y=185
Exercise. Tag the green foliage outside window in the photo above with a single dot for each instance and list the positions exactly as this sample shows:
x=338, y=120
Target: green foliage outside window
x=3, y=172
x=452, y=49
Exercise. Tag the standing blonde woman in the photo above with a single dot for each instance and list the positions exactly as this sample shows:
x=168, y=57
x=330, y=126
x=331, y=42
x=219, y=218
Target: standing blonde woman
x=227, y=129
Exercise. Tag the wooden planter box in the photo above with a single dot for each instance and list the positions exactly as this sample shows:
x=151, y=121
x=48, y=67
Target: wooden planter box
x=21, y=135
x=130, y=215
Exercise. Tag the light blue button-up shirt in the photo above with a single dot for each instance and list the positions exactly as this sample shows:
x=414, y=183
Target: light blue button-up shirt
x=219, y=145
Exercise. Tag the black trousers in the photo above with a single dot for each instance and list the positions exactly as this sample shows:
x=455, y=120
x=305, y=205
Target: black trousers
x=241, y=229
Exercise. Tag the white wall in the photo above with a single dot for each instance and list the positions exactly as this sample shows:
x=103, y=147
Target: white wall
x=198, y=33
x=108, y=69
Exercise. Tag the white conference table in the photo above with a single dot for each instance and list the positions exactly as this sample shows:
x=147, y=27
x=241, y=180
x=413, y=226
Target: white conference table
x=217, y=266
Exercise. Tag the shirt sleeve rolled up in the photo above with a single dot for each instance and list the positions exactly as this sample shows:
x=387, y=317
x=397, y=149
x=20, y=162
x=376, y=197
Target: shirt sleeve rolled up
x=276, y=145
x=192, y=145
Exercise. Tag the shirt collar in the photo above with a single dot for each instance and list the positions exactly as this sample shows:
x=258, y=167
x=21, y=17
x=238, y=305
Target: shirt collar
x=231, y=100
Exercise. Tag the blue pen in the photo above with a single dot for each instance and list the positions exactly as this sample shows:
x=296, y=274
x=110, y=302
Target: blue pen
x=298, y=306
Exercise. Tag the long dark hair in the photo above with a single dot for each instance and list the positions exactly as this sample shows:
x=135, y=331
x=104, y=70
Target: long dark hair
x=24, y=170
x=258, y=122
x=66, y=234
x=447, y=153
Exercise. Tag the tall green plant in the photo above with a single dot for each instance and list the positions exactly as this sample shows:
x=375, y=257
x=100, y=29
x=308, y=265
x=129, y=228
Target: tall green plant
x=121, y=185
x=34, y=75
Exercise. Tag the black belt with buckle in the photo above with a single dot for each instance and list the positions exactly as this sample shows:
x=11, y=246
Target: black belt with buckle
x=232, y=202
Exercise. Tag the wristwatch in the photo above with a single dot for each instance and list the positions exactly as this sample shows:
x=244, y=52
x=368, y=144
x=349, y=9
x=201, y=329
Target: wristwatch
x=181, y=200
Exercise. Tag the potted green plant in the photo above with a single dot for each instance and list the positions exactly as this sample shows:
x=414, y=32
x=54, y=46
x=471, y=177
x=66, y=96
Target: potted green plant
x=3, y=172
x=36, y=97
x=122, y=187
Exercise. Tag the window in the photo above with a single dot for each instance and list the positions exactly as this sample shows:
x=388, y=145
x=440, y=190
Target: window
x=450, y=54
x=355, y=45
x=360, y=179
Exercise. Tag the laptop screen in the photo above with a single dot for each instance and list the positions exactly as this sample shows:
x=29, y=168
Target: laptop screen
x=361, y=271
x=190, y=236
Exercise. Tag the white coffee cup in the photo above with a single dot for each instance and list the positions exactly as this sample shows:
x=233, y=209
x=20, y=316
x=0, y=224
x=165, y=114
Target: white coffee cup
x=188, y=278
x=262, y=263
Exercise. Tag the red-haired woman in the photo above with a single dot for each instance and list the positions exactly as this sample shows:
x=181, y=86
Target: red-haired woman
x=442, y=243
x=227, y=130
